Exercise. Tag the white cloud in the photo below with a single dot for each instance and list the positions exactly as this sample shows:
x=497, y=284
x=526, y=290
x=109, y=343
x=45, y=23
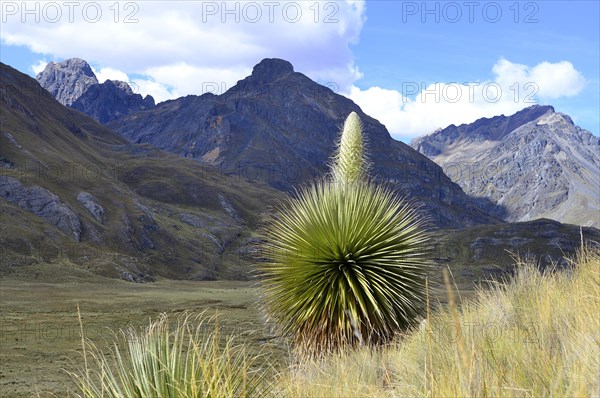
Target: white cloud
x=554, y=80
x=108, y=73
x=188, y=79
x=169, y=41
x=383, y=104
x=423, y=109
x=149, y=87
x=558, y=80
x=39, y=66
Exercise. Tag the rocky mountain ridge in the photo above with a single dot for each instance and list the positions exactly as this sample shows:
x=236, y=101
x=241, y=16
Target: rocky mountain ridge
x=533, y=164
x=280, y=127
x=73, y=83
x=67, y=80
x=111, y=100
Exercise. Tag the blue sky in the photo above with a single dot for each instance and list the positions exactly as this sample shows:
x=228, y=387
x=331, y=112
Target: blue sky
x=416, y=66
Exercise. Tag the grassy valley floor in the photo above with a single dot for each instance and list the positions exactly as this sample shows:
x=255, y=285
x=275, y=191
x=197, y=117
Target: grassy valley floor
x=538, y=335
x=40, y=332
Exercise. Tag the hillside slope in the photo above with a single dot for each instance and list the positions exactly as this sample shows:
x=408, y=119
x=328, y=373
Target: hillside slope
x=72, y=190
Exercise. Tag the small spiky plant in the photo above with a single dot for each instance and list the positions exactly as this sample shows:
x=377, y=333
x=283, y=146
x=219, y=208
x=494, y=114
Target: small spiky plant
x=171, y=360
x=345, y=258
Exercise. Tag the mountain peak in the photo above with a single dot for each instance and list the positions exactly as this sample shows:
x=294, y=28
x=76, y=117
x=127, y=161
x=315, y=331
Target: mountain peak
x=121, y=85
x=73, y=83
x=535, y=163
x=271, y=68
x=69, y=66
x=555, y=117
x=67, y=80
x=284, y=126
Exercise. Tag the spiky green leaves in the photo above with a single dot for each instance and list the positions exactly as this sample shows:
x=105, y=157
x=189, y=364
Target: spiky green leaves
x=349, y=163
x=172, y=360
x=345, y=266
x=345, y=258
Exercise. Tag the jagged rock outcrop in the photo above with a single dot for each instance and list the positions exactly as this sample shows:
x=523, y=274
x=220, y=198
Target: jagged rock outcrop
x=148, y=226
x=42, y=203
x=229, y=209
x=67, y=80
x=536, y=163
x=280, y=127
x=443, y=141
x=92, y=205
x=193, y=220
x=74, y=84
x=110, y=100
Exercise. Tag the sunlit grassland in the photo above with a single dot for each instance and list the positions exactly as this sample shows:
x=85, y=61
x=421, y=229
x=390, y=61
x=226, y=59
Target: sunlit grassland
x=538, y=335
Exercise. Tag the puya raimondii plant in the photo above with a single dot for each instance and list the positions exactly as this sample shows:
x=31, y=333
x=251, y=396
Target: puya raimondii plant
x=345, y=258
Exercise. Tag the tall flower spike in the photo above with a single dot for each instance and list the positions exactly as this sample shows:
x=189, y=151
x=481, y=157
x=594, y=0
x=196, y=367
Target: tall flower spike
x=345, y=257
x=349, y=163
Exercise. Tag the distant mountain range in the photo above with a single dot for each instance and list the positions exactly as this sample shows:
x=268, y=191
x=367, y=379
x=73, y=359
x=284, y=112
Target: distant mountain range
x=107, y=200
x=533, y=164
x=279, y=126
x=276, y=126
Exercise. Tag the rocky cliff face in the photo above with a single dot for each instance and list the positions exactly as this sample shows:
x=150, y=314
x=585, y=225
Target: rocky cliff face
x=42, y=203
x=280, y=127
x=535, y=163
x=67, y=80
x=73, y=83
x=110, y=100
